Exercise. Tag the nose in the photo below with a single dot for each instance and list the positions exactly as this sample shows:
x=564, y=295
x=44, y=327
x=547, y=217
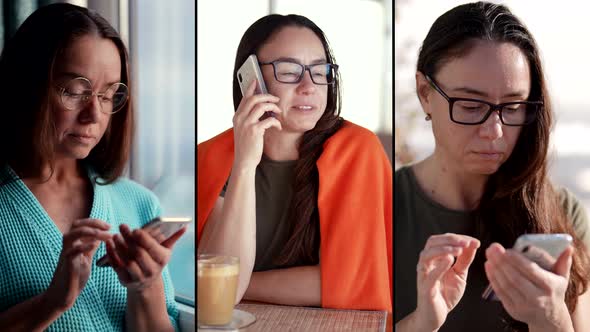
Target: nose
x=306, y=86
x=492, y=127
x=91, y=111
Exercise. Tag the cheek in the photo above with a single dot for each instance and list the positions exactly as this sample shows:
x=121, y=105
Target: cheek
x=512, y=135
x=450, y=136
x=63, y=120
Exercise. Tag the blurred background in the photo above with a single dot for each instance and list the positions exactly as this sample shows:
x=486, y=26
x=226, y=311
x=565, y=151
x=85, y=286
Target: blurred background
x=359, y=32
x=160, y=37
x=559, y=31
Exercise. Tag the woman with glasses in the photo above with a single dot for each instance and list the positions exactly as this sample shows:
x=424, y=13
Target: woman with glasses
x=481, y=83
x=302, y=197
x=65, y=139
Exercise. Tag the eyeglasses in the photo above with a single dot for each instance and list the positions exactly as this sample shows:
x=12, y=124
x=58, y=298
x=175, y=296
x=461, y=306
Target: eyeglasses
x=292, y=72
x=469, y=111
x=76, y=94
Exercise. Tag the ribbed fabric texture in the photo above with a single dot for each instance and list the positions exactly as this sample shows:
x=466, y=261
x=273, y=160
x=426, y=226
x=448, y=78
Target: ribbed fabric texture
x=31, y=243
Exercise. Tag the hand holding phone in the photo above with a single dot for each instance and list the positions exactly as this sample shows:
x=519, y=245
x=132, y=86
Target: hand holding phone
x=252, y=119
x=250, y=72
x=543, y=249
x=161, y=228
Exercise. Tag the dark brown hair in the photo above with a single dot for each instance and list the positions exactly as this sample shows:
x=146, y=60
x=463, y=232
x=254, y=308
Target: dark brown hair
x=519, y=197
x=27, y=133
x=303, y=244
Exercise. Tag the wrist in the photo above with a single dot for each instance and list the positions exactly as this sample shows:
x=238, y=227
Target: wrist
x=420, y=322
x=241, y=168
x=47, y=301
x=144, y=291
x=560, y=321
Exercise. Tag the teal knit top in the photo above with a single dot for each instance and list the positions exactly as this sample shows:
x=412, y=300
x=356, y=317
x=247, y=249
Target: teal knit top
x=30, y=246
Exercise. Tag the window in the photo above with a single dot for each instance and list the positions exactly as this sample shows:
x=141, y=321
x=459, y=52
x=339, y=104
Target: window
x=162, y=43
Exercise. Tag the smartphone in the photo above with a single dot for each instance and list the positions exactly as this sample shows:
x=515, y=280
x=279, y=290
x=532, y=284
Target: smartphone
x=248, y=72
x=164, y=227
x=543, y=249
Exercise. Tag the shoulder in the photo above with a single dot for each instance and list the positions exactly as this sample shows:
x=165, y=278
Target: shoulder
x=353, y=134
x=402, y=174
x=354, y=141
x=223, y=139
x=575, y=213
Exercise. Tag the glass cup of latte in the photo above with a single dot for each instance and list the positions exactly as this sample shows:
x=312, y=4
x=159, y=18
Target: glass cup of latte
x=217, y=286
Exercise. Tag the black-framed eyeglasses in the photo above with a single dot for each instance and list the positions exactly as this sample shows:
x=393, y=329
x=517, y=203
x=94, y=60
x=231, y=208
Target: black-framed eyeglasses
x=77, y=92
x=469, y=111
x=292, y=72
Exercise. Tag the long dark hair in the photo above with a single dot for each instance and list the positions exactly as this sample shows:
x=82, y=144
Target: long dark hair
x=519, y=197
x=27, y=131
x=301, y=248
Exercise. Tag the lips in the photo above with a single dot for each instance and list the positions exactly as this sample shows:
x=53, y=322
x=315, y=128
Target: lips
x=489, y=155
x=83, y=138
x=304, y=107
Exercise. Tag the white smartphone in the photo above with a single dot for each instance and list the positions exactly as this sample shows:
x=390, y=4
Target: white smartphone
x=162, y=227
x=248, y=72
x=543, y=249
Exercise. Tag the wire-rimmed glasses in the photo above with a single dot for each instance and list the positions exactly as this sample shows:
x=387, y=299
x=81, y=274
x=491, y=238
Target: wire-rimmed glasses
x=76, y=94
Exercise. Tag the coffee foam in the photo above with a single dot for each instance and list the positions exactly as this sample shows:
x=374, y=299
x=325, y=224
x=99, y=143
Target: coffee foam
x=210, y=269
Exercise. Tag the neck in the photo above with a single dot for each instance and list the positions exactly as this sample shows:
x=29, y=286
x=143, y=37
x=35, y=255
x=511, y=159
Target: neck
x=65, y=171
x=281, y=146
x=448, y=184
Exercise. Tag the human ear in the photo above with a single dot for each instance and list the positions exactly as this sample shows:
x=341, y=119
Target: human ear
x=423, y=90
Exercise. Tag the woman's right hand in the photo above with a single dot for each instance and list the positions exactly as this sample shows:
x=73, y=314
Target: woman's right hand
x=249, y=129
x=441, y=283
x=75, y=262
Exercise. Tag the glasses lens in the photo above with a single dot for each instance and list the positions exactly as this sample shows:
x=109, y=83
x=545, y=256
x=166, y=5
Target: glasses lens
x=288, y=72
x=75, y=93
x=467, y=111
x=323, y=73
x=114, y=98
x=519, y=114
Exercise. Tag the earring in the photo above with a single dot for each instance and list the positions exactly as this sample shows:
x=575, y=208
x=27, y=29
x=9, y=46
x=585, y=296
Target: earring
x=428, y=117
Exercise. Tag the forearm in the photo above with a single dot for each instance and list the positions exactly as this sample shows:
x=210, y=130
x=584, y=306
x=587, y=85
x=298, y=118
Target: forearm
x=35, y=314
x=146, y=310
x=292, y=286
x=412, y=323
x=234, y=230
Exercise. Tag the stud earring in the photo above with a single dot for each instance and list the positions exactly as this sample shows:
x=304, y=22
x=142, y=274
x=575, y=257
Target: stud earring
x=428, y=117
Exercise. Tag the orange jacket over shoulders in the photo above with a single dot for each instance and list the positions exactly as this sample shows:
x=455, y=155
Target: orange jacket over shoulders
x=355, y=207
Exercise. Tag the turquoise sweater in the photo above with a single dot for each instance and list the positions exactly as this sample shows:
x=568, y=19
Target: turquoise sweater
x=30, y=245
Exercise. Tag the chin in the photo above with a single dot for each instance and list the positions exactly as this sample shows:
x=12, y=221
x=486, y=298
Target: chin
x=79, y=154
x=484, y=169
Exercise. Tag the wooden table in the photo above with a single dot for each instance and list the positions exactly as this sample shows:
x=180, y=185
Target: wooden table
x=273, y=318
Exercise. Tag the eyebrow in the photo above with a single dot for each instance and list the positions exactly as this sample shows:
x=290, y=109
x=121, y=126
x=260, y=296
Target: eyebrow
x=76, y=75
x=520, y=93
x=314, y=62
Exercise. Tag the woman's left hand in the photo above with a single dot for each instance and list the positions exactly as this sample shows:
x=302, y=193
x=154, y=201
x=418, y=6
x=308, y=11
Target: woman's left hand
x=528, y=292
x=138, y=257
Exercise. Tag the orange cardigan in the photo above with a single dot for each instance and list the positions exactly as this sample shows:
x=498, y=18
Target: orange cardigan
x=355, y=207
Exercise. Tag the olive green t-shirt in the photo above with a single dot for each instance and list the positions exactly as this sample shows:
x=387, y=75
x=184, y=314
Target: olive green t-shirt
x=416, y=218
x=274, y=191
